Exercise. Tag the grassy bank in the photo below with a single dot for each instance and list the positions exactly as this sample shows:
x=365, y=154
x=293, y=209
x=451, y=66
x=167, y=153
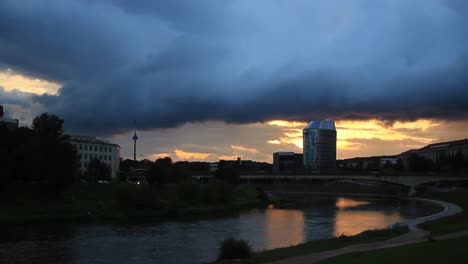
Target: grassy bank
x=24, y=204
x=443, y=251
x=452, y=223
x=322, y=245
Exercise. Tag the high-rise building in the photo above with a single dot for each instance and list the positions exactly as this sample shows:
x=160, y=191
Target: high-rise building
x=319, y=141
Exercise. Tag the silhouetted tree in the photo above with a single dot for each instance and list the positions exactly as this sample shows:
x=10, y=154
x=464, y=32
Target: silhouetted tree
x=54, y=159
x=38, y=155
x=161, y=171
x=97, y=171
x=228, y=174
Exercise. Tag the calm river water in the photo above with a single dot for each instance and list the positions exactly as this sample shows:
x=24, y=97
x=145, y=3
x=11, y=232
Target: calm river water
x=305, y=218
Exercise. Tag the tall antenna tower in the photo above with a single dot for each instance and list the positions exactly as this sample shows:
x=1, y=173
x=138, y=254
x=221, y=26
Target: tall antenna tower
x=135, y=138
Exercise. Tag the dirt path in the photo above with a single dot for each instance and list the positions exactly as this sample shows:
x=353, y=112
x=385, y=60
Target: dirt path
x=415, y=235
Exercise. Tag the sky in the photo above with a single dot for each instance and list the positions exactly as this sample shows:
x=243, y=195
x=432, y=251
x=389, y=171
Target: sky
x=217, y=79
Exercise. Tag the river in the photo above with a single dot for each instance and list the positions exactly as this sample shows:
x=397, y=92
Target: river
x=305, y=217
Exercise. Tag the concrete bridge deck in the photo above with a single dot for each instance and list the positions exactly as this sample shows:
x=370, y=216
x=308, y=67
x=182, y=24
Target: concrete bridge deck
x=410, y=181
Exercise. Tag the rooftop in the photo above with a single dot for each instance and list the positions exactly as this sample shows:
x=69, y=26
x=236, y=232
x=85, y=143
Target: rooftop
x=88, y=139
x=446, y=144
x=321, y=124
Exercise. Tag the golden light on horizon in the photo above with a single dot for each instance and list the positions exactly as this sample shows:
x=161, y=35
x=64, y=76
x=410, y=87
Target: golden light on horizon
x=11, y=80
x=242, y=148
x=228, y=157
x=351, y=134
x=184, y=155
x=156, y=156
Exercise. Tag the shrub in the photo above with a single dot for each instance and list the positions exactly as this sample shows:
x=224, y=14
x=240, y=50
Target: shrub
x=134, y=197
x=189, y=192
x=234, y=249
x=216, y=193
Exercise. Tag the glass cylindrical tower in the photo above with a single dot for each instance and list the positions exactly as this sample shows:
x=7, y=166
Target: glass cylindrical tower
x=319, y=141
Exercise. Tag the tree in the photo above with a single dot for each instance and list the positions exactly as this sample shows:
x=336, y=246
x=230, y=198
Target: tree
x=38, y=155
x=97, y=171
x=228, y=174
x=54, y=159
x=161, y=171
x=49, y=128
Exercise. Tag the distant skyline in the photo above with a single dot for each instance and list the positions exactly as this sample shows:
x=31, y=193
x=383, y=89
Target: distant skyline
x=211, y=79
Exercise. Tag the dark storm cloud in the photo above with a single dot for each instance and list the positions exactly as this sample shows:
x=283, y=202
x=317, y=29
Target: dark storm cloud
x=15, y=97
x=165, y=63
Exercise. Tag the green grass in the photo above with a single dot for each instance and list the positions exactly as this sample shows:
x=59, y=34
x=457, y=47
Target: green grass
x=23, y=204
x=452, y=223
x=322, y=245
x=443, y=251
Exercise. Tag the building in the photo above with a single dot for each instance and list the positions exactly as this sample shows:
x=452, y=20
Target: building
x=8, y=122
x=384, y=161
x=319, y=141
x=88, y=148
x=444, y=150
x=287, y=161
x=437, y=152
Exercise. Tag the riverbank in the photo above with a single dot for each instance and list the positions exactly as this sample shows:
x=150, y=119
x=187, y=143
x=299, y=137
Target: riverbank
x=122, y=203
x=452, y=218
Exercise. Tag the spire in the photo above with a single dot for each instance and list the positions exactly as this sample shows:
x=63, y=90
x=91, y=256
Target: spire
x=135, y=138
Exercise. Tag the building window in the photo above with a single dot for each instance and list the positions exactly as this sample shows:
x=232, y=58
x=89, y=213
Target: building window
x=80, y=146
x=85, y=147
x=95, y=148
x=100, y=157
x=86, y=164
x=85, y=156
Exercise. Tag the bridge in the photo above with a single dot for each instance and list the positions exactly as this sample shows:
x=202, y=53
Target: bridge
x=408, y=181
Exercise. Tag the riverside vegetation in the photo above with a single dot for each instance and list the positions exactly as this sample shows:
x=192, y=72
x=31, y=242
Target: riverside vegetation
x=123, y=202
x=40, y=182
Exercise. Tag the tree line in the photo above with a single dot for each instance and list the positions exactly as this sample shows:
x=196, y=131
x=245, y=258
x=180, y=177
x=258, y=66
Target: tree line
x=40, y=154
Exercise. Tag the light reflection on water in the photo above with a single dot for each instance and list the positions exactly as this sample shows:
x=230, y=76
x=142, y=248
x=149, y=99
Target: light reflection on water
x=197, y=241
x=284, y=228
x=352, y=222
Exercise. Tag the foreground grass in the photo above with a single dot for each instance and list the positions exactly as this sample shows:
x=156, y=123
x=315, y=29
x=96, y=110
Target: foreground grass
x=443, y=251
x=453, y=223
x=25, y=204
x=322, y=245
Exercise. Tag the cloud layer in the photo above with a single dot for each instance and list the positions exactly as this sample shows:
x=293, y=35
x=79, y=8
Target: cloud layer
x=166, y=63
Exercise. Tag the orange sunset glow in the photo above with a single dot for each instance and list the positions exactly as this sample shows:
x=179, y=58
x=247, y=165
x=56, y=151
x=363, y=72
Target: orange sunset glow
x=352, y=135
x=12, y=80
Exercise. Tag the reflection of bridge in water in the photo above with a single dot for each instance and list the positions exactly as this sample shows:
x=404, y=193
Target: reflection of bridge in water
x=408, y=181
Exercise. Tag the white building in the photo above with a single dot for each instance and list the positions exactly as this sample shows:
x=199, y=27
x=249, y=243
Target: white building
x=88, y=148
